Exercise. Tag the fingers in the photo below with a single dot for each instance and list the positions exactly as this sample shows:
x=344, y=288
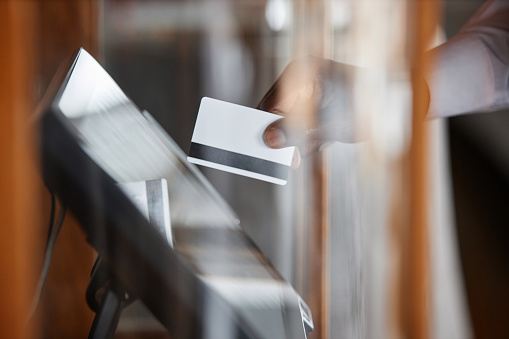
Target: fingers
x=298, y=79
x=296, y=159
x=276, y=137
x=269, y=100
x=280, y=98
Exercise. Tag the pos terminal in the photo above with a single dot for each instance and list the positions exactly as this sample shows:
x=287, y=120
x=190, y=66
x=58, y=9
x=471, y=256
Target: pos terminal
x=212, y=281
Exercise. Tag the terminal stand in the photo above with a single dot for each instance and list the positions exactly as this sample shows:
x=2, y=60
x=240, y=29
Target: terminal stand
x=106, y=297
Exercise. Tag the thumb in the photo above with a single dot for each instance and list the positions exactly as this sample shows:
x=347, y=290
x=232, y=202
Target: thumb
x=275, y=135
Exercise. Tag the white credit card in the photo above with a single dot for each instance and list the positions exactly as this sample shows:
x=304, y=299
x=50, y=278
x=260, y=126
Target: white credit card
x=229, y=137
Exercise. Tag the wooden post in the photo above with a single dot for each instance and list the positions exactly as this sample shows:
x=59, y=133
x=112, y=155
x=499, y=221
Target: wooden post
x=18, y=192
x=35, y=37
x=313, y=36
x=415, y=273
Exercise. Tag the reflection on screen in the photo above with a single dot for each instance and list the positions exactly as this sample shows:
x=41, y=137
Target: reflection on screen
x=131, y=146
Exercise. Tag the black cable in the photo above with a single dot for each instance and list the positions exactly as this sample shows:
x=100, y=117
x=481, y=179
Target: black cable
x=52, y=237
x=51, y=218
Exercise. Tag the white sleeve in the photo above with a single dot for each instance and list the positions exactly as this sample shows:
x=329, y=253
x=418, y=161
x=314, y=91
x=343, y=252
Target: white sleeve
x=470, y=72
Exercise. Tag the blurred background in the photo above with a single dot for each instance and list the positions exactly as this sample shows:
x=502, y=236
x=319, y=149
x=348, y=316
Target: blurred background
x=401, y=236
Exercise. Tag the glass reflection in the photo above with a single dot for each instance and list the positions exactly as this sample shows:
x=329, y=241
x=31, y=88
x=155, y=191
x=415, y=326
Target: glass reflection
x=130, y=146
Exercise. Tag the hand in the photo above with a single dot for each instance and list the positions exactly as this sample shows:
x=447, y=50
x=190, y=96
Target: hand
x=314, y=96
